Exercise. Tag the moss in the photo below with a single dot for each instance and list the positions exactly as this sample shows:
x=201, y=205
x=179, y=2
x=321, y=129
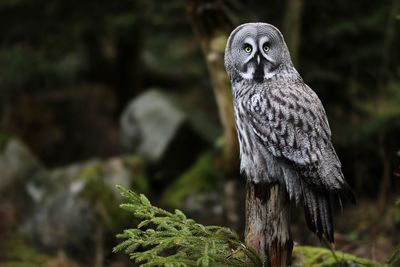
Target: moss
x=395, y=258
x=103, y=201
x=139, y=179
x=16, y=252
x=201, y=177
x=4, y=138
x=103, y=197
x=91, y=171
x=322, y=257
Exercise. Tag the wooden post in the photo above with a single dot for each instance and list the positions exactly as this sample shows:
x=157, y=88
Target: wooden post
x=268, y=223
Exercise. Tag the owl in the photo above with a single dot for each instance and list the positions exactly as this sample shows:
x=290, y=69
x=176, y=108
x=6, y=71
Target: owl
x=283, y=131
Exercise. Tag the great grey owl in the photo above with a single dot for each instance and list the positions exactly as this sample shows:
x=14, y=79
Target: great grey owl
x=283, y=131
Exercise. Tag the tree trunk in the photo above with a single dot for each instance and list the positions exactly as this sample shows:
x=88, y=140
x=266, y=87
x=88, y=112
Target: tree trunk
x=390, y=34
x=385, y=181
x=268, y=223
x=223, y=96
x=387, y=44
x=292, y=26
x=212, y=24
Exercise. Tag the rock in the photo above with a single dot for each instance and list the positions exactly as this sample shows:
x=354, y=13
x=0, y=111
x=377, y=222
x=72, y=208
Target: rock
x=17, y=162
x=17, y=167
x=158, y=128
x=64, y=221
x=150, y=122
x=127, y=170
x=78, y=200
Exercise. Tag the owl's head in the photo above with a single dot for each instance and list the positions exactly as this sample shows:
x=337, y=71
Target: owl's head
x=255, y=51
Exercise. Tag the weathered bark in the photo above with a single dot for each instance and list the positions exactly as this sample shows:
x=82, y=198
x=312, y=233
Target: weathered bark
x=212, y=24
x=292, y=26
x=268, y=223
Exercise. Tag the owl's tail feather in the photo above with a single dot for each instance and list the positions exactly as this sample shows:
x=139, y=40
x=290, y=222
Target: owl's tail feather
x=347, y=193
x=318, y=213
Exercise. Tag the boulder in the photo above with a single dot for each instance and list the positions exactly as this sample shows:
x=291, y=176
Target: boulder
x=17, y=162
x=77, y=201
x=158, y=127
x=64, y=221
x=17, y=167
x=73, y=208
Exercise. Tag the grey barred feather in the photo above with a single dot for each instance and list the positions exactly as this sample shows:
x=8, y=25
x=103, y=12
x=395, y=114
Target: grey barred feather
x=283, y=130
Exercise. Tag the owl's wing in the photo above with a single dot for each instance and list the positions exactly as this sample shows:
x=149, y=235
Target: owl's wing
x=291, y=123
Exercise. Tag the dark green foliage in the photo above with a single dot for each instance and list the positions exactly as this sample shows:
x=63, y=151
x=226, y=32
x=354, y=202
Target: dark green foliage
x=4, y=138
x=322, y=257
x=395, y=258
x=17, y=252
x=203, y=176
x=164, y=238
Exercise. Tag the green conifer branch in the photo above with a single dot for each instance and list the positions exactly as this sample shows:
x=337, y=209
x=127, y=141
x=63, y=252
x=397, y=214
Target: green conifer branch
x=163, y=238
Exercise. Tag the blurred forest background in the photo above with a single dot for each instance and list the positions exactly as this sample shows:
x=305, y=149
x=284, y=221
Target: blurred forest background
x=133, y=92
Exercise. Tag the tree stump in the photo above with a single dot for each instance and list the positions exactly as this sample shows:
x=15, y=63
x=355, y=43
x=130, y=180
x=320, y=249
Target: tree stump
x=268, y=223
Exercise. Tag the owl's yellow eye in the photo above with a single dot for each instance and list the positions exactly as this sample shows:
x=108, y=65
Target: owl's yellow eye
x=247, y=48
x=266, y=48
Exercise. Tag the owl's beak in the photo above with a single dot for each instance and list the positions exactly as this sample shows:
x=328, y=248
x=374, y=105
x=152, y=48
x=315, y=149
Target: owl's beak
x=258, y=59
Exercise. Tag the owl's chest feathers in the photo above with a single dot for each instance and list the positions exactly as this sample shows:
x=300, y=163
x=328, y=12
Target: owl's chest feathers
x=244, y=93
x=250, y=98
x=255, y=160
x=252, y=151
